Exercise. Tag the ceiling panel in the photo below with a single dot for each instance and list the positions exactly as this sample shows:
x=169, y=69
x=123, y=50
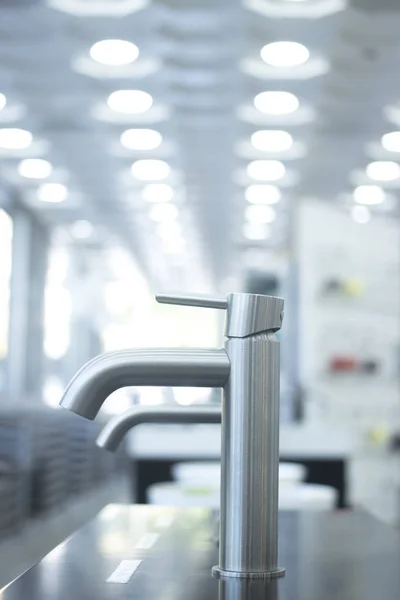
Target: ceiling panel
x=200, y=61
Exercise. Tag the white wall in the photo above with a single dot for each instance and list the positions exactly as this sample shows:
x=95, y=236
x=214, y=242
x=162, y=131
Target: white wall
x=362, y=321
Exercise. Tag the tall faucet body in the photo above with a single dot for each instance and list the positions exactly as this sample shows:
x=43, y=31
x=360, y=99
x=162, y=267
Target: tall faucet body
x=247, y=369
x=250, y=458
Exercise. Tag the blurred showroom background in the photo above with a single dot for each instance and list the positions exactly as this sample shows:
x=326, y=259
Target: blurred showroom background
x=206, y=146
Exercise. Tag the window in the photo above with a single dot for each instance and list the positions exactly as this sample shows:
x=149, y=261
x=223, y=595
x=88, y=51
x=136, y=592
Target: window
x=58, y=306
x=6, y=232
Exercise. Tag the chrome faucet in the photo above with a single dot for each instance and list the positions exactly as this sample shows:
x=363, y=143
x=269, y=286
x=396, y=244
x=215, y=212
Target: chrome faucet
x=247, y=369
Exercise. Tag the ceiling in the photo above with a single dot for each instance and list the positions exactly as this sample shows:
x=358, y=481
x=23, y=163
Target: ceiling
x=200, y=61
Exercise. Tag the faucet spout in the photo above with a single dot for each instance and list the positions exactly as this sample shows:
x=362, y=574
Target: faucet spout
x=113, y=432
x=189, y=367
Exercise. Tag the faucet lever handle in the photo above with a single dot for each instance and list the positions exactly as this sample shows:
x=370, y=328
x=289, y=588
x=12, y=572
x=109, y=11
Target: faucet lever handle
x=196, y=300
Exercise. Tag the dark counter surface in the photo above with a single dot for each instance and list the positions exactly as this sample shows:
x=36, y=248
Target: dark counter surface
x=327, y=556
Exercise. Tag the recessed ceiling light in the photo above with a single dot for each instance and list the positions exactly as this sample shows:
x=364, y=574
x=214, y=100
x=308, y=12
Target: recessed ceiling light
x=3, y=101
x=163, y=212
x=383, y=170
x=15, y=139
x=169, y=230
x=82, y=229
x=260, y=214
x=35, y=168
x=130, y=102
x=285, y=54
x=368, y=194
x=262, y=194
x=266, y=170
x=157, y=192
x=360, y=214
x=391, y=141
x=52, y=192
x=276, y=103
x=174, y=245
x=114, y=52
x=141, y=139
x=272, y=140
x=255, y=231
x=150, y=170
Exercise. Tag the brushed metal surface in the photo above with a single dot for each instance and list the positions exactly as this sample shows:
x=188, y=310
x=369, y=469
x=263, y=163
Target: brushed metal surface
x=248, y=370
x=249, y=314
x=192, y=300
x=250, y=457
x=112, y=434
x=189, y=367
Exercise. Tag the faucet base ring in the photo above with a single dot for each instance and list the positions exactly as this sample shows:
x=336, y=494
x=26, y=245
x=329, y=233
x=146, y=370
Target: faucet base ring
x=219, y=573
